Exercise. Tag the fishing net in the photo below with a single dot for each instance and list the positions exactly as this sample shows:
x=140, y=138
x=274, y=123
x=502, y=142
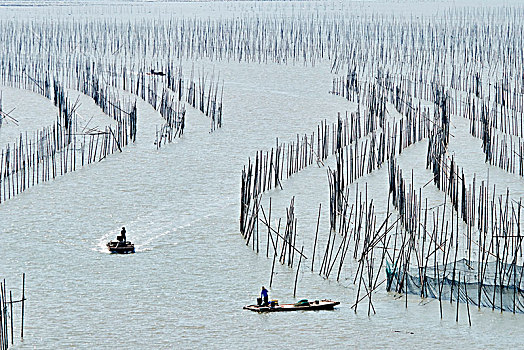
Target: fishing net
x=496, y=285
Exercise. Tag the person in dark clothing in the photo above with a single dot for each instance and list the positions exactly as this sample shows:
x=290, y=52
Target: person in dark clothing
x=264, y=296
x=123, y=235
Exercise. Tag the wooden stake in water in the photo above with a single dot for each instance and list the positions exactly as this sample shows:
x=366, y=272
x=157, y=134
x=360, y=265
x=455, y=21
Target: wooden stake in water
x=298, y=270
x=316, y=236
x=23, y=300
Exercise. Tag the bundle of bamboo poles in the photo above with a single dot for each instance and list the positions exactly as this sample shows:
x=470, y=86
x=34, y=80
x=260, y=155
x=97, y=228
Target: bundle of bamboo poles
x=173, y=111
x=211, y=106
x=286, y=252
x=7, y=315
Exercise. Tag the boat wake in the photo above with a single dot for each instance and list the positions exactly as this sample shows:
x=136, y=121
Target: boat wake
x=144, y=237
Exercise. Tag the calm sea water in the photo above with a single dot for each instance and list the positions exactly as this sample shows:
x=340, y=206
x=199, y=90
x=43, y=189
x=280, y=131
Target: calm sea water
x=192, y=273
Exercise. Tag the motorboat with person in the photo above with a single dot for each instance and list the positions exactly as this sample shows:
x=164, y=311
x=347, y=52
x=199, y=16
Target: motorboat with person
x=121, y=245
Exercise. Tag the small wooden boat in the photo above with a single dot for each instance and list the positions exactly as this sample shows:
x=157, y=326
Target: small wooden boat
x=302, y=305
x=120, y=247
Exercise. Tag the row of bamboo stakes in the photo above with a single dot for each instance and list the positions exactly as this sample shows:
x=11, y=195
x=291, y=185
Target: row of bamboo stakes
x=153, y=85
x=95, y=79
x=447, y=177
x=390, y=59
x=303, y=38
x=60, y=148
x=411, y=227
x=499, y=129
x=64, y=146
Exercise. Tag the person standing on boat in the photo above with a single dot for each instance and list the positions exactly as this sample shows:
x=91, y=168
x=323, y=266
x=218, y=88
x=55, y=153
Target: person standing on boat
x=123, y=234
x=264, y=296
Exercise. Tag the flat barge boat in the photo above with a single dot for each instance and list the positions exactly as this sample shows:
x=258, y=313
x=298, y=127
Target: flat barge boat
x=302, y=305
